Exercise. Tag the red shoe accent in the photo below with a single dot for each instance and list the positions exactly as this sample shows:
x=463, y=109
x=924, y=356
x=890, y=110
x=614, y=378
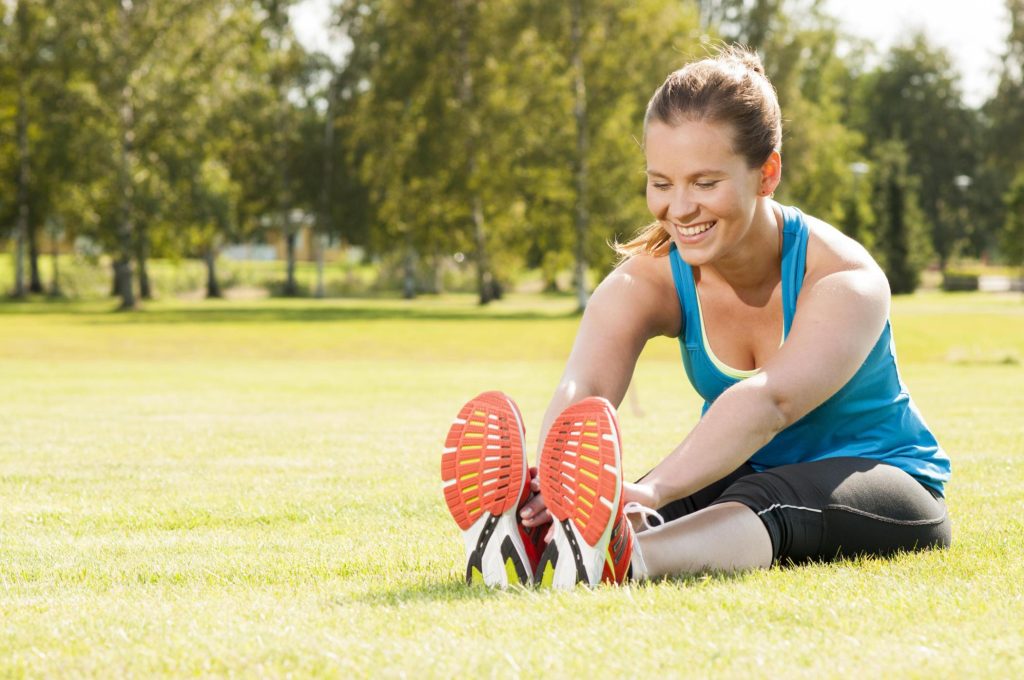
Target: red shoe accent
x=533, y=541
x=620, y=551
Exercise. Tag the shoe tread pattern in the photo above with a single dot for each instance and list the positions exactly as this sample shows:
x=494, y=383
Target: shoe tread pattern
x=483, y=465
x=579, y=473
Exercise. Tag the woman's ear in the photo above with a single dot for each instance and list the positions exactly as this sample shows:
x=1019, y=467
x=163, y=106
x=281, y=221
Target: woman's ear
x=771, y=174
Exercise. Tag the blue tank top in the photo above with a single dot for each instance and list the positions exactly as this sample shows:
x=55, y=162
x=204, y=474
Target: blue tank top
x=872, y=416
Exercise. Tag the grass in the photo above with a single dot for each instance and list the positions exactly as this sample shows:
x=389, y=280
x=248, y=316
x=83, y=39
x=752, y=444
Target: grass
x=252, y=489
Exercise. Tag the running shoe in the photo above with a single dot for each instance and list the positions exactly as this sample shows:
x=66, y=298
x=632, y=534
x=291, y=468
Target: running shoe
x=581, y=481
x=486, y=480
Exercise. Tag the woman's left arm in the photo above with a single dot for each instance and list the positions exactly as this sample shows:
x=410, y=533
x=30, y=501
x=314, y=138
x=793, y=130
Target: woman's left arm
x=839, y=316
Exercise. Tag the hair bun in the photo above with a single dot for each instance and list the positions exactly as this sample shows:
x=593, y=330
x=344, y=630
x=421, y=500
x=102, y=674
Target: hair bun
x=744, y=56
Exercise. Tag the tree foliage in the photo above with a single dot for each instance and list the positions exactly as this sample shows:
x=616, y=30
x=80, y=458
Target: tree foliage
x=494, y=129
x=915, y=99
x=902, y=247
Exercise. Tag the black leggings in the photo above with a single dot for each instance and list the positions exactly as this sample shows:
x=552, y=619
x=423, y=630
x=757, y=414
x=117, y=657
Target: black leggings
x=838, y=507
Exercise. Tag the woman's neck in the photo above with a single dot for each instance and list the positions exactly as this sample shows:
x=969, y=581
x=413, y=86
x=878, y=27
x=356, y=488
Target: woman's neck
x=754, y=263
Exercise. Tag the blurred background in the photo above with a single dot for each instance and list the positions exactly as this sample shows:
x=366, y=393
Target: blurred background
x=247, y=148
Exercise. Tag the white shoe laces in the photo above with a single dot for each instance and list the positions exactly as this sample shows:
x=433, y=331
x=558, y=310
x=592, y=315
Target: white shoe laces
x=634, y=508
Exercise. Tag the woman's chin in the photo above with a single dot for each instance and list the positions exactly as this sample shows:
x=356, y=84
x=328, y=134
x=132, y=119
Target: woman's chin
x=694, y=254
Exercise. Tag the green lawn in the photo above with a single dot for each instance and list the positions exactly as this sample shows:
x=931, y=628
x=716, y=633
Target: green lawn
x=253, y=489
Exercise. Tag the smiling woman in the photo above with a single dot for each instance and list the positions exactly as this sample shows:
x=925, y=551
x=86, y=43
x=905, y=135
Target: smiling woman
x=809, y=446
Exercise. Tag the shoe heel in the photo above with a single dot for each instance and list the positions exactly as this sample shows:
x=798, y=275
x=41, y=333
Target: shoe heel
x=496, y=557
x=568, y=560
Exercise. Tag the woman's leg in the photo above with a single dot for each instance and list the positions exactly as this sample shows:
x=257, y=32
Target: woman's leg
x=820, y=510
x=721, y=537
x=698, y=536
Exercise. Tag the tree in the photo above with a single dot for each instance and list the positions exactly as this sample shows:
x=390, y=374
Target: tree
x=145, y=61
x=581, y=218
x=548, y=177
x=915, y=98
x=1013, y=228
x=23, y=46
x=1002, y=140
x=620, y=80
x=902, y=247
x=858, y=219
x=419, y=125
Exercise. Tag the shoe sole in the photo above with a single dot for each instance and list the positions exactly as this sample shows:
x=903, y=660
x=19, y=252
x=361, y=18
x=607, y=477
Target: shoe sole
x=580, y=471
x=484, y=470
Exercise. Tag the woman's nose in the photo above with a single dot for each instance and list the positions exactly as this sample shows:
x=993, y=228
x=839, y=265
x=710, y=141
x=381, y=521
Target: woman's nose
x=682, y=207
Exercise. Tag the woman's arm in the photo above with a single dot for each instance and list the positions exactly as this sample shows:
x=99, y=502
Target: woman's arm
x=634, y=303
x=838, y=320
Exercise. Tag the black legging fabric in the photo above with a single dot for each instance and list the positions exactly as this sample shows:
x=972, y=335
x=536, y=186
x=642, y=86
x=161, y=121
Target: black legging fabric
x=837, y=507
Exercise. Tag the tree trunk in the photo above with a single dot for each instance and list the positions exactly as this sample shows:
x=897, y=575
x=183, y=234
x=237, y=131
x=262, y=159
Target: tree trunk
x=55, y=289
x=435, y=278
x=326, y=183
x=21, y=232
x=115, y=282
x=409, y=275
x=291, y=289
x=123, y=282
x=141, y=257
x=484, y=276
x=321, y=246
x=35, y=282
x=580, y=216
x=125, y=227
x=212, y=285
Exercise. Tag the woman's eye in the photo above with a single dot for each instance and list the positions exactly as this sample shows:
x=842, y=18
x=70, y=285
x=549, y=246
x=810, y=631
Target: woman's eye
x=660, y=185
x=706, y=185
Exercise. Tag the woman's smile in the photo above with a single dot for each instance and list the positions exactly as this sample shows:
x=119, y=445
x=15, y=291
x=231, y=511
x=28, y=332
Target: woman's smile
x=692, y=231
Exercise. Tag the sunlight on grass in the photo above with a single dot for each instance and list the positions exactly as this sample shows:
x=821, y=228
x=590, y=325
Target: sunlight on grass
x=253, y=489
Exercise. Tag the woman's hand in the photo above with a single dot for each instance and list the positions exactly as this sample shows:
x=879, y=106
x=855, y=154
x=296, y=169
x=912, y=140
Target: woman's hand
x=636, y=492
x=534, y=512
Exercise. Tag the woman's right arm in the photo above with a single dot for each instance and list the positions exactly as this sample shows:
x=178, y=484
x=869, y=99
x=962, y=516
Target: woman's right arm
x=635, y=303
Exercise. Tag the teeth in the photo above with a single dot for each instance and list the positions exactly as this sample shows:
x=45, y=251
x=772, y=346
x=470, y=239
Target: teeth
x=698, y=229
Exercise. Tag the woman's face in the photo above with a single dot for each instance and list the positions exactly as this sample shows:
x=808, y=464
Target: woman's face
x=702, y=192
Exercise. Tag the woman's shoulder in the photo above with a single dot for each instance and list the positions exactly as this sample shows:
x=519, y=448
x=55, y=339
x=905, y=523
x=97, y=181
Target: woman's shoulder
x=644, y=282
x=647, y=272
x=830, y=251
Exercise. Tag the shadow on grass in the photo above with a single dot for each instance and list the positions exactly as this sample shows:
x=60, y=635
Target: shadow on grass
x=361, y=310
x=441, y=591
x=453, y=590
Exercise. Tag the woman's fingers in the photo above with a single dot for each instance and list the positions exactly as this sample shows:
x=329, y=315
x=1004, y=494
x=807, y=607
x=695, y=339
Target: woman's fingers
x=534, y=512
x=540, y=519
x=534, y=480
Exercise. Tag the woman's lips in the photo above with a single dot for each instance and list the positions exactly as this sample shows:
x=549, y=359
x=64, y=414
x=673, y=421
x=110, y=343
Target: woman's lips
x=695, y=229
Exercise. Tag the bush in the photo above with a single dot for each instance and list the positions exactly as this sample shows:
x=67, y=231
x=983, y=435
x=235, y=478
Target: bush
x=959, y=281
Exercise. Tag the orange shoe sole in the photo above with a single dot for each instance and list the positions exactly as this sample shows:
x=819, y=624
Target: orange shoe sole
x=580, y=479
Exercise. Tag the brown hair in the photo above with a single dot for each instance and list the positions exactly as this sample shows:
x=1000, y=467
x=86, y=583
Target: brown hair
x=729, y=87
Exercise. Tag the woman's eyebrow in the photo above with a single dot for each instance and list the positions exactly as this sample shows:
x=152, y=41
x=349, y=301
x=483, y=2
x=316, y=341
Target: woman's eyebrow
x=699, y=173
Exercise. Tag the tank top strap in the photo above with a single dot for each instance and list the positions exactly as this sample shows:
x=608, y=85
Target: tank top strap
x=794, y=266
x=794, y=261
x=686, y=292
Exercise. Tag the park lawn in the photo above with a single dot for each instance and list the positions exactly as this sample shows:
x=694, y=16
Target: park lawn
x=253, y=489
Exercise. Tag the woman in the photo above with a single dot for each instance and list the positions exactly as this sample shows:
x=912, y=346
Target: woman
x=809, y=446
